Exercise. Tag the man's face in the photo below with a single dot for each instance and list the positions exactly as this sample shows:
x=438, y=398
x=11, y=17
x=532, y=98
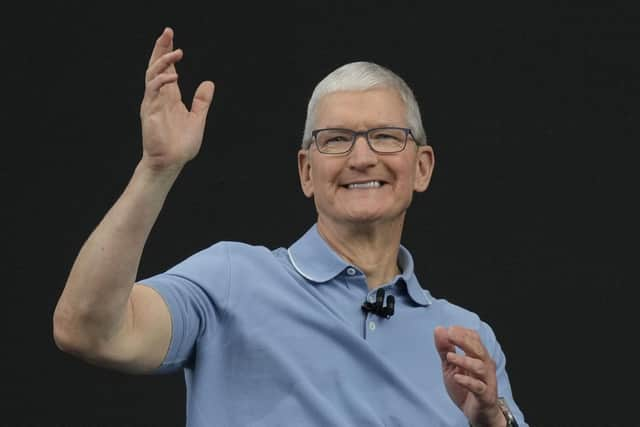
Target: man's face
x=329, y=178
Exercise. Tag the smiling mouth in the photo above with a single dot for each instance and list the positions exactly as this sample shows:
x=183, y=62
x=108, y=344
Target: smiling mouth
x=365, y=185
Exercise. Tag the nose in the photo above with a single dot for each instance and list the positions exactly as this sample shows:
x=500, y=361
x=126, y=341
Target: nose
x=361, y=155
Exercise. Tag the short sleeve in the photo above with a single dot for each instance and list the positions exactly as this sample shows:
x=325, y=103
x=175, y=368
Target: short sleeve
x=196, y=292
x=504, y=387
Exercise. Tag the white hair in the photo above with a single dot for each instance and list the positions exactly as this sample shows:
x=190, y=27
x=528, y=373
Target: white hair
x=362, y=76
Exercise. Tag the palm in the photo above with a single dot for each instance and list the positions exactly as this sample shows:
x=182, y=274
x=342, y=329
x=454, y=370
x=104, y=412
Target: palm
x=169, y=130
x=461, y=396
x=470, y=375
x=172, y=134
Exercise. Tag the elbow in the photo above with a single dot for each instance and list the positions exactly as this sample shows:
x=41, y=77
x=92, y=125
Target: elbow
x=67, y=333
x=73, y=334
x=62, y=335
x=63, y=341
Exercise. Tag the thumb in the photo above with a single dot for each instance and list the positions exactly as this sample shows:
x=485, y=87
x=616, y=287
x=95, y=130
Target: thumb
x=202, y=98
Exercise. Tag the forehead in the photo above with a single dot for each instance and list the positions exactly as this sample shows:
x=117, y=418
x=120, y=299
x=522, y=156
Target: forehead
x=361, y=109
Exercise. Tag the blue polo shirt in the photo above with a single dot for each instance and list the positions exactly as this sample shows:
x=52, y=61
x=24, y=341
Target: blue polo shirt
x=278, y=338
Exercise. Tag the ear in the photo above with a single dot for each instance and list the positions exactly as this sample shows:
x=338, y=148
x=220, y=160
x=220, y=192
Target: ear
x=304, y=170
x=425, y=163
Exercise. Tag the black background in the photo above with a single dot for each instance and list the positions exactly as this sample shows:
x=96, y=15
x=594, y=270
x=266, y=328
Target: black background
x=532, y=113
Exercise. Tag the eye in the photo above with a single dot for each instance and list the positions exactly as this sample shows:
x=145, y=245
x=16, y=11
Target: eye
x=337, y=138
x=388, y=135
x=334, y=137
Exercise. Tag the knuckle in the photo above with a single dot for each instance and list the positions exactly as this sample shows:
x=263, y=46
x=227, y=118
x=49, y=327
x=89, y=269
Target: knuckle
x=467, y=362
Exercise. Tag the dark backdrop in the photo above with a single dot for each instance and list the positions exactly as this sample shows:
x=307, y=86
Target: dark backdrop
x=532, y=113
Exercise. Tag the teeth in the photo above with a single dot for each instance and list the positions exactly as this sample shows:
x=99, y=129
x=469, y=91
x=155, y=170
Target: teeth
x=370, y=184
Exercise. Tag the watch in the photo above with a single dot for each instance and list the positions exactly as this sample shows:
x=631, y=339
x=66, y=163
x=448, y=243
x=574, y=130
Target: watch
x=511, y=420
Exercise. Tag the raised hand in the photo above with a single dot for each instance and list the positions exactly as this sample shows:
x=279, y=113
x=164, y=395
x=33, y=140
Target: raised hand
x=470, y=378
x=171, y=133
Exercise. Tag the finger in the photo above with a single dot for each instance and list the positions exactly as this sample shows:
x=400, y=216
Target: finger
x=474, y=385
x=468, y=340
x=202, y=98
x=154, y=86
x=442, y=342
x=476, y=367
x=163, y=44
x=163, y=63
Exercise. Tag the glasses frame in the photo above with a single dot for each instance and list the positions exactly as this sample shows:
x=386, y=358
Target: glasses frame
x=365, y=133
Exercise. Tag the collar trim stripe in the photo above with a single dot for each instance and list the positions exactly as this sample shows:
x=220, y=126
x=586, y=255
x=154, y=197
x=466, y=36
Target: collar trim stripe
x=302, y=273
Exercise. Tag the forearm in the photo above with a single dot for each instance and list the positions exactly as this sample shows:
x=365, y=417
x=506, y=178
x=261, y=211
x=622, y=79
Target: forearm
x=94, y=301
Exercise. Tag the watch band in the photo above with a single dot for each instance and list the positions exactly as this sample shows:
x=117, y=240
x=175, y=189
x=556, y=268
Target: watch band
x=504, y=408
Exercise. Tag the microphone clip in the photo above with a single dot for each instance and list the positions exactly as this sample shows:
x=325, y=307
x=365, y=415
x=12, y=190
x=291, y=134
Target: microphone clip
x=378, y=307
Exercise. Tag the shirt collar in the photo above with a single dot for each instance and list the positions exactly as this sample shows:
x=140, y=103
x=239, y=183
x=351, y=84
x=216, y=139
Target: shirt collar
x=316, y=261
x=418, y=295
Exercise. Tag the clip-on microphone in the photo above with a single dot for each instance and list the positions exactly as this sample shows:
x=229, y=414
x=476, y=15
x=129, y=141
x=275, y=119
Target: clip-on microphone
x=378, y=307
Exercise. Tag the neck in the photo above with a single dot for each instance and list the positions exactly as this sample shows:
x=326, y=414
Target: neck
x=373, y=248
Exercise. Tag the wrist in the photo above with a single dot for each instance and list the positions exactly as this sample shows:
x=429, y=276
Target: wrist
x=161, y=165
x=500, y=417
x=506, y=412
x=495, y=418
x=155, y=170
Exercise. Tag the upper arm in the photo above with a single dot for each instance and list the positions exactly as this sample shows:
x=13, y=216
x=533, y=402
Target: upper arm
x=143, y=340
x=181, y=304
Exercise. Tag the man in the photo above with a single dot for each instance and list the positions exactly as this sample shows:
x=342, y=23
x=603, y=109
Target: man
x=333, y=331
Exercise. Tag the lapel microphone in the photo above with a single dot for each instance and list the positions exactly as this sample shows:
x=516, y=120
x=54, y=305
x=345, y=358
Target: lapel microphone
x=378, y=307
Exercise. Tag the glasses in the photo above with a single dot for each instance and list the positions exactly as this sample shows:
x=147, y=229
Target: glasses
x=381, y=140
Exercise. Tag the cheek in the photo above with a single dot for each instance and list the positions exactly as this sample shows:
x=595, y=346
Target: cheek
x=406, y=188
x=405, y=177
x=318, y=185
x=408, y=175
x=324, y=174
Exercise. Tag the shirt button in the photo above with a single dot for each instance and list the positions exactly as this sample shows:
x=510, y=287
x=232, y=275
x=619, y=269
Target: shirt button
x=372, y=325
x=351, y=271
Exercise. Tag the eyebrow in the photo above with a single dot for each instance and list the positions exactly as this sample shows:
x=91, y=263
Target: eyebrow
x=383, y=125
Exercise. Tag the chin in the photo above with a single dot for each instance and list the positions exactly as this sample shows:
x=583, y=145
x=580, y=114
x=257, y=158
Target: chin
x=361, y=212
x=368, y=217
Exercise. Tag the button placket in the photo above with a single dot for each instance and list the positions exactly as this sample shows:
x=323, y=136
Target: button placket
x=373, y=322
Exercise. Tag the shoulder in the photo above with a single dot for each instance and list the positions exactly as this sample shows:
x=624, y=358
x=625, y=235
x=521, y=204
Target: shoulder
x=229, y=251
x=453, y=314
x=220, y=257
x=242, y=255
